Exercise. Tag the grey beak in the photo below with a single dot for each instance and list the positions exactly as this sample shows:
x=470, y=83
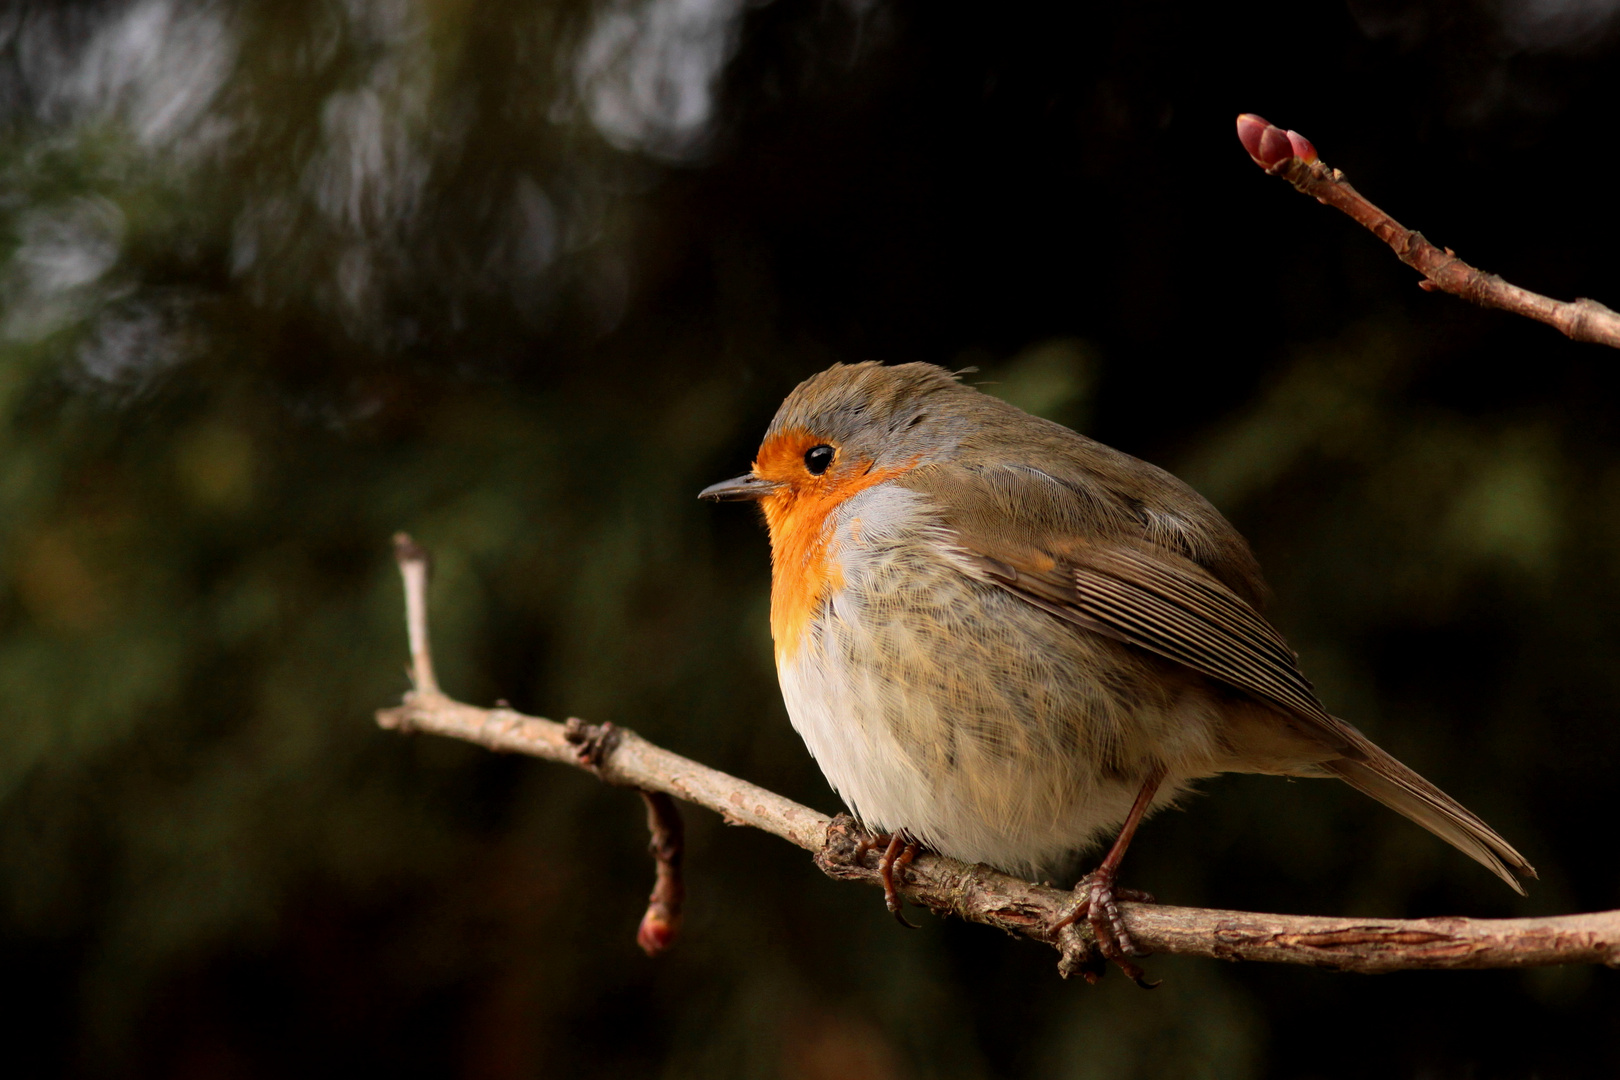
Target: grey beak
x=744, y=488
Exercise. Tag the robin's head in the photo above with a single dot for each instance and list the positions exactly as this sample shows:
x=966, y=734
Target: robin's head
x=849, y=427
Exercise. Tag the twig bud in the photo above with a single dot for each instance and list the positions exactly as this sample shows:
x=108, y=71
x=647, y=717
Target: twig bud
x=1271, y=146
x=1249, y=130
x=659, y=929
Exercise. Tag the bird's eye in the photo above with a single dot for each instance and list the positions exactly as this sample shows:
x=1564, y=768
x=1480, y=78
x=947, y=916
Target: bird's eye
x=817, y=458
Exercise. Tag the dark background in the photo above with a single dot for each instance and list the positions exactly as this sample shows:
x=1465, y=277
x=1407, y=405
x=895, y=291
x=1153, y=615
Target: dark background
x=521, y=276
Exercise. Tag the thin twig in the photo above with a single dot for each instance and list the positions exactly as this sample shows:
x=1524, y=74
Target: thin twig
x=979, y=894
x=662, y=922
x=413, y=567
x=1291, y=156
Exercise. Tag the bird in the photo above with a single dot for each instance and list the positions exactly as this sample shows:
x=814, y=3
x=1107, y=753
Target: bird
x=1002, y=640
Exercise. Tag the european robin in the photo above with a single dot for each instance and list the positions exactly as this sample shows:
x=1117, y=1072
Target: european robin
x=1002, y=640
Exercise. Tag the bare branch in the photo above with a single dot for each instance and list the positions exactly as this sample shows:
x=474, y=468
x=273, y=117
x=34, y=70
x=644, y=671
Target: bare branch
x=1291, y=156
x=977, y=893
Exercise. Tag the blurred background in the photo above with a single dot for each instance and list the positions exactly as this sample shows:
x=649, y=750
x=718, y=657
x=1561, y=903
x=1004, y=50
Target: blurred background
x=279, y=277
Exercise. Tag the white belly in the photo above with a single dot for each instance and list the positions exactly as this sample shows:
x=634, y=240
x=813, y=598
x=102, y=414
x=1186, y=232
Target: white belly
x=863, y=761
x=963, y=721
x=1022, y=815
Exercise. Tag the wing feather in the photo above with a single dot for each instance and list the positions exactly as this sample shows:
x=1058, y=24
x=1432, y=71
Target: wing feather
x=1178, y=612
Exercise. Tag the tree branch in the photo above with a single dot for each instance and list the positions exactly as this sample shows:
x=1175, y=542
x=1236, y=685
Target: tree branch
x=948, y=887
x=1291, y=156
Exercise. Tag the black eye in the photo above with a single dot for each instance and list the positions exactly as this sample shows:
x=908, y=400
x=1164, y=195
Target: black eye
x=817, y=458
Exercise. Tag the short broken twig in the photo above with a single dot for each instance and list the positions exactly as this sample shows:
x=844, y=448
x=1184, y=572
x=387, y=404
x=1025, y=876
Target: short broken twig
x=974, y=893
x=662, y=922
x=1291, y=156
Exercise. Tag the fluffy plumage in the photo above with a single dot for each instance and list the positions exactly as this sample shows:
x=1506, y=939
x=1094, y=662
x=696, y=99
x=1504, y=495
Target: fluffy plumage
x=990, y=630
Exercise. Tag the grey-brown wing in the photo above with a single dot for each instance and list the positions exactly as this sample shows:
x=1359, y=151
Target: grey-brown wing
x=1170, y=607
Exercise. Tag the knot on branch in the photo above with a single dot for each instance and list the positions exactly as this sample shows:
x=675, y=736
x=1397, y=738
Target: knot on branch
x=592, y=743
x=842, y=856
x=396, y=719
x=1590, y=321
x=1078, y=953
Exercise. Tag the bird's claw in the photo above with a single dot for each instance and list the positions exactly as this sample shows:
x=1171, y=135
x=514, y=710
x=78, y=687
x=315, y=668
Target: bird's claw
x=1100, y=908
x=898, y=852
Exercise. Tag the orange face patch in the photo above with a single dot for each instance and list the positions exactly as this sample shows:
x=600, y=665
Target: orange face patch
x=798, y=514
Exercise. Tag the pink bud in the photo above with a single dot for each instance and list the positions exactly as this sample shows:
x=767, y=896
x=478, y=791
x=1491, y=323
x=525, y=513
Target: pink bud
x=1302, y=147
x=1271, y=146
x=657, y=931
x=1274, y=147
x=1249, y=129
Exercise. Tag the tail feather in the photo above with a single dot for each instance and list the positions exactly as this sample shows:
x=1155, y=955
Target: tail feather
x=1373, y=772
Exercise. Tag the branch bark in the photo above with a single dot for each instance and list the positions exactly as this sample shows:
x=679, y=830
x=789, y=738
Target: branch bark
x=1291, y=156
x=974, y=893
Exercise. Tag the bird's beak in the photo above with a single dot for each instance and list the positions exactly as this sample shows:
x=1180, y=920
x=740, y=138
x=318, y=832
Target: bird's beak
x=744, y=488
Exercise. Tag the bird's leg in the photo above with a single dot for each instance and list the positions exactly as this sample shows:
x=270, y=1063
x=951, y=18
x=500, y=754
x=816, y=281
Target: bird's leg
x=898, y=853
x=1100, y=908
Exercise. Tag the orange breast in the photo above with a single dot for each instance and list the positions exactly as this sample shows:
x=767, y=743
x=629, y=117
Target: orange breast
x=803, y=570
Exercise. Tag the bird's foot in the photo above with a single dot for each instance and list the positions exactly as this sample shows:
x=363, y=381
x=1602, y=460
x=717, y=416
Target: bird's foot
x=1099, y=906
x=898, y=852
